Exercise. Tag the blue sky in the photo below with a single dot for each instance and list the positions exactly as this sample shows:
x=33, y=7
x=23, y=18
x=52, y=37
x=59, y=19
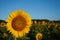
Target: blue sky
x=38, y=9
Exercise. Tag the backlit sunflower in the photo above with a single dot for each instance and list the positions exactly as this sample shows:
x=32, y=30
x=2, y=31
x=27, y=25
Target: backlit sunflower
x=19, y=23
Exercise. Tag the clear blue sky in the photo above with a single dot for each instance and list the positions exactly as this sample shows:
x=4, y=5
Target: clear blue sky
x=38, y=9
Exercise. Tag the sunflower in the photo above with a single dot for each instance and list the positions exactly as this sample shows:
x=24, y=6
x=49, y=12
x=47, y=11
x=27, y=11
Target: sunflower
x=39, y=36
x=19, y=23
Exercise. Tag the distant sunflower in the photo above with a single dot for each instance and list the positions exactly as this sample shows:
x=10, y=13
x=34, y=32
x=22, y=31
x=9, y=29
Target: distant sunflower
x=19, y=23
x=39, y=36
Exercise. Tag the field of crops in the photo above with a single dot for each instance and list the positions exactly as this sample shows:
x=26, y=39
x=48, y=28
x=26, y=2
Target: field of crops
x=39, y=30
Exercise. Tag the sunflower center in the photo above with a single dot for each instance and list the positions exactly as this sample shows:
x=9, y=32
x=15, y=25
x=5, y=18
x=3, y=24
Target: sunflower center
x=18, y=23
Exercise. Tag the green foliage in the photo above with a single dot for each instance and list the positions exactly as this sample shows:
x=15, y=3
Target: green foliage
x=7, y=35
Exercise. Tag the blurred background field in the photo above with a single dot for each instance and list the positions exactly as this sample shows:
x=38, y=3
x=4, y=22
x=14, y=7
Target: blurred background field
x=47, y=30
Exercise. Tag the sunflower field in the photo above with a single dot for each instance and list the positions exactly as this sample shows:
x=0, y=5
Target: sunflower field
x=20, y=26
